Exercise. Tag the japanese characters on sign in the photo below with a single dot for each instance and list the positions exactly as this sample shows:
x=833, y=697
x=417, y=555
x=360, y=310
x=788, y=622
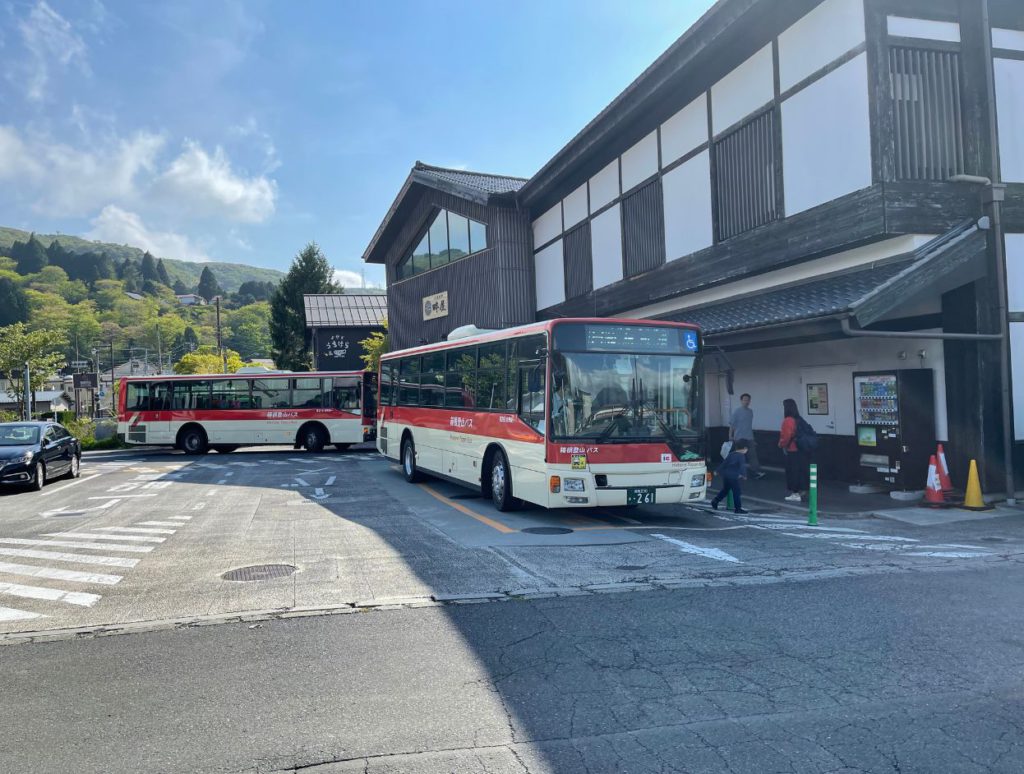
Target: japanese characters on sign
x=435, y=306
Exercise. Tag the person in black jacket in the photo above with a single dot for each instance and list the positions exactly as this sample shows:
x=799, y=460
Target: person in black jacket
x=732, y=470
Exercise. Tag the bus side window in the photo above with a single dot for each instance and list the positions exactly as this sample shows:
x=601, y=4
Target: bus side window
x=460, y=378
x=387, y=381
x=160, y=396
x=409, y=381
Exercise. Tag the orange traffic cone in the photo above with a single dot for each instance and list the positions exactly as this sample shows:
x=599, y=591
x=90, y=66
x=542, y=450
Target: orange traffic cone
x=944, y=480
x=933, y=491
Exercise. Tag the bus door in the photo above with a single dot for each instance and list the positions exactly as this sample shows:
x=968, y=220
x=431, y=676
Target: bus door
x=370, y=389
x=159, y=422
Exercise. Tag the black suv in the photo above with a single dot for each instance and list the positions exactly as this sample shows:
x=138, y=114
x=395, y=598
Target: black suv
x=32, y=453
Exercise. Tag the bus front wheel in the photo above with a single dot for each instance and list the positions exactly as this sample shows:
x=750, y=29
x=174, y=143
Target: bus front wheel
x=409, y=469
x=501, y=483
x=313, y=439
x=193, y=441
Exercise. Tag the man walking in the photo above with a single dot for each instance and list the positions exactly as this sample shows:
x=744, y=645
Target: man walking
x=741, y=428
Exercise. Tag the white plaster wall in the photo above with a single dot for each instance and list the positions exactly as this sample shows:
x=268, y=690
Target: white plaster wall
x=1010, y=108
x=1011, y=39
x=604, y=186
x=606, y=247
x=548, y=226
x=1017, y=375
x=1015, y=272
x=686, y=130
x=574, y=206
x=744, y=90
x=550, y=274
x=640, y=161
x=823, y=35
x=826, y=138
x=687, y=202
x=906, y=27
x=772, y=375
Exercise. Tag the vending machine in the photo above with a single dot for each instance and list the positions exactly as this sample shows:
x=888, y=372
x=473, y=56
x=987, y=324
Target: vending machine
x=894, y=412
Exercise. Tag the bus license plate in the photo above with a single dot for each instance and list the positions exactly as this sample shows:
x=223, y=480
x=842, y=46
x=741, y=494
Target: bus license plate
x=640, y=495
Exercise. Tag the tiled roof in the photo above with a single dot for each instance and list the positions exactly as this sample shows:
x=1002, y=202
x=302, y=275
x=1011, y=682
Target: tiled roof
x=818, y=298
x=479, y=181
x=345, y=309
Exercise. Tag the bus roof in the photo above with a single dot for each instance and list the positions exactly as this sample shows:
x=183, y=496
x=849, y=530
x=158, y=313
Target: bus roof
x=527, y=329
x=261, y=375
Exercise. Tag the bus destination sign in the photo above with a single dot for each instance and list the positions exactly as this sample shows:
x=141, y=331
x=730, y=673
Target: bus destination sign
x=640, y=338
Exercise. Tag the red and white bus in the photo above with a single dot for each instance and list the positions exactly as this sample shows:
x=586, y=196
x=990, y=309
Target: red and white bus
x=568, y=413
x=224, y=411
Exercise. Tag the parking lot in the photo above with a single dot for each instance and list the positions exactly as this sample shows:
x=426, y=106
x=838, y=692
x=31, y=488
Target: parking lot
x=148, y=539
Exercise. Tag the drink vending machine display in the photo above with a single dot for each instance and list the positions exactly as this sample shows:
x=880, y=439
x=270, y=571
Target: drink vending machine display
x=894, y=413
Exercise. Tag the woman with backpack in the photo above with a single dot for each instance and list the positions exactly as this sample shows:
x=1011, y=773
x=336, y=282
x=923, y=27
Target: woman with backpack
x=797, y=459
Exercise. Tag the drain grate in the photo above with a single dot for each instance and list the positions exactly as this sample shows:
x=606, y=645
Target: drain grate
x=259, y=572
x=547, y=530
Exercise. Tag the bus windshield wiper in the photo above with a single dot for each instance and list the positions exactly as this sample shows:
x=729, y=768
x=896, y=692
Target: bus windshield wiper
x=606, y=433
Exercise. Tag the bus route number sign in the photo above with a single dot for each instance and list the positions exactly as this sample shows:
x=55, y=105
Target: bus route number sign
x=579, y=462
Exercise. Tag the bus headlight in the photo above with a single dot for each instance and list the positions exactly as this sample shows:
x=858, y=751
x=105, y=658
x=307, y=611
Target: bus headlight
x=574, y=485
x=697, y=481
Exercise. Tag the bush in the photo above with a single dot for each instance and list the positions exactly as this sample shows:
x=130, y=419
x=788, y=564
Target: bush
x=85, y=431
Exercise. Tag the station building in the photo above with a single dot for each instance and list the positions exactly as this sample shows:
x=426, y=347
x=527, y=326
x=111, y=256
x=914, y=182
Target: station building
x=829, y=187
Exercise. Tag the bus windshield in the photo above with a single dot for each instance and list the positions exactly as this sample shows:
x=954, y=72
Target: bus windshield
x=622, y=397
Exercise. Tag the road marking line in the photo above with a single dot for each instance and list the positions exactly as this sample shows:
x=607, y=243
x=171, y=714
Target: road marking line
x=331, y=480
x=949, y=554
x=53, y=595
x=12, y=614
x=211, y=493
x=70, y=483
x=164, y=523
x=710, y=553
x=60, y=556
x=471, y=513
x=93, y=536
x=301, y=481
x=107, y=497
x=229, y=473
x=73, y=544
x=62, y=511
x=157, y=485
x=884, y=538
x=198, y=506
x=125, y=487
x=53, y=574
x=141, y=530
x=222, y=481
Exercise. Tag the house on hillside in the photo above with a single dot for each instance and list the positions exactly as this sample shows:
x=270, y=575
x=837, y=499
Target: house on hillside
x=190, y=299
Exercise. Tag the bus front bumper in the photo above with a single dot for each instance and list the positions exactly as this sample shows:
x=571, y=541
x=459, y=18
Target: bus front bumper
x=583, y=489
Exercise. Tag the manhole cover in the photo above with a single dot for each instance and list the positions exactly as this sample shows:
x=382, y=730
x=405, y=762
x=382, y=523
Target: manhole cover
x=258, y=572
x=547, y=530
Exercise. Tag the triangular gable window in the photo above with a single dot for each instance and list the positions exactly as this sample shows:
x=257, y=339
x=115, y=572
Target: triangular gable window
x=448, y=238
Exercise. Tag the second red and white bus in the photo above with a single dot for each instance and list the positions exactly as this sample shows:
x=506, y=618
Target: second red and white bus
x=568, y=413
x=224, y=411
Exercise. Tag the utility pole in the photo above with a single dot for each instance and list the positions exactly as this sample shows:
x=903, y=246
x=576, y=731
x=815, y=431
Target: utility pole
x=159, y=351
x=220, y=346
x=113, y=412
x=28, y=395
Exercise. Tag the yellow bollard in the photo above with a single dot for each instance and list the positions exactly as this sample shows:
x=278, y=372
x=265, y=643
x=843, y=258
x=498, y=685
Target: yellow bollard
x=973, y=500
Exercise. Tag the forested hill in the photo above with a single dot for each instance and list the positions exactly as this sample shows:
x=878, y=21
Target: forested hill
x=229, y=275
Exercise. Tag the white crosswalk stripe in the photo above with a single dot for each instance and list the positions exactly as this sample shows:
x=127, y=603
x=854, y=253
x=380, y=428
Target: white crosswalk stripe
x=12, y=614
x=76, y=544
x=61, y=556
x=164, y=523
x=141, y=530
x=94, y=536
x=55, y=574
x=80, y=598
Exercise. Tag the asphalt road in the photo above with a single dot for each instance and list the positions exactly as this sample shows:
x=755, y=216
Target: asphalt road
x=917, y=672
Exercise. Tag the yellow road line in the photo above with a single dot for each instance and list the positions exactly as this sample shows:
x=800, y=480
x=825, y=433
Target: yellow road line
x=471, y=513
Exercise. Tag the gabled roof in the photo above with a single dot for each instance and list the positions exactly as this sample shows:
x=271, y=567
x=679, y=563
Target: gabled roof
x=342, y=310
x=478, y=187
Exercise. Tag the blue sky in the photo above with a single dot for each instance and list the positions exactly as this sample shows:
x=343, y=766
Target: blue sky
x=239, y=131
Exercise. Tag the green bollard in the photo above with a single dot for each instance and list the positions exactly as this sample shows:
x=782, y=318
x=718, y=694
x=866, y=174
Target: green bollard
x=812, y=497
x=728, y=501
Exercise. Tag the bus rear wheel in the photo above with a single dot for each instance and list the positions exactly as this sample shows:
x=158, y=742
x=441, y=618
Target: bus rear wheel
x=501, y=483
x=193, y=441
x=222, y=448
x=313, y=439
x=409, y=469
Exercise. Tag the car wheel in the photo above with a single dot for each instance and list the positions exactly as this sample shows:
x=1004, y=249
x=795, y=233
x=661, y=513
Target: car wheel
x=409, y=469
x=38, y=477
x=313, y=439
x=76, y=467
x=501, y=483
x=193, y=441
x=342, y=446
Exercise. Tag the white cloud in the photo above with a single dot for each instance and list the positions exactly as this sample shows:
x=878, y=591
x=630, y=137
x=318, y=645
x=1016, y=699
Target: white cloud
x=351, y=279
x=204, y=185
x=250, y=130
x=69, y=181
x=122, y=227
x=51, y=43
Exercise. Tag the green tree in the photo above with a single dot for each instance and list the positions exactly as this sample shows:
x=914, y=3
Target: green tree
x=208, y=286
x=40, y=349
x=375, y=345
x=249, y=331
x=309, y=273
x=149, y=270
x=206, y=360
x=161, y=271
x=31, y=257
x=13, y=303
x=180, y=288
